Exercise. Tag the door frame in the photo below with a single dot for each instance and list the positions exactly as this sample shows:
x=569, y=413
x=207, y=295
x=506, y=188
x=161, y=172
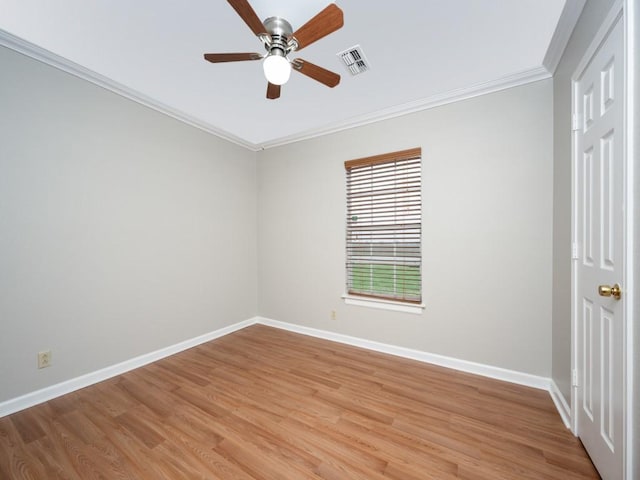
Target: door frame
x=622, y=11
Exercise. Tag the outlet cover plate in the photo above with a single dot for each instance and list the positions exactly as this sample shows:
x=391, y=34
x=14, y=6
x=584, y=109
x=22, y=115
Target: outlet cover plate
x=44, y=359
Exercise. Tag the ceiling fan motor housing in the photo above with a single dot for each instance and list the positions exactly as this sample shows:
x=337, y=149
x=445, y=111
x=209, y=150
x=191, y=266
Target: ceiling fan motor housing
x=280, y=31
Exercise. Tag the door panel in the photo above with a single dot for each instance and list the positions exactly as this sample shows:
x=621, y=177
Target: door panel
x=599, y=158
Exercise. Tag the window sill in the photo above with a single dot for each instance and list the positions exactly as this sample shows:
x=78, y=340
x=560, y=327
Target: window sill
x=383, y=304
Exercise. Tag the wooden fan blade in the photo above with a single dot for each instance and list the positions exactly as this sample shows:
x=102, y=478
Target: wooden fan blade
x=327, y=21
x=319, y=74
x=273, y=91
x=231, y=57
x=248, y=14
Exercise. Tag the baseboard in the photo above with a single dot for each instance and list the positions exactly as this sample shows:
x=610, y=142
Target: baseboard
x=39, y=396
x=25, y=401
x=497, y=373
x=561, y=404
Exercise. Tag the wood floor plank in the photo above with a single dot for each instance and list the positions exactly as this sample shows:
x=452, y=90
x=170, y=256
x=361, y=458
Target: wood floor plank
x=144, y=425
x=264, y=403
x=205, y=454
x=27, y=426
x=15, y=461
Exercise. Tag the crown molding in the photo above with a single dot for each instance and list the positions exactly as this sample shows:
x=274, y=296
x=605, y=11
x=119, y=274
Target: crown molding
x=33, y=51
x=452, y=96
x=567, y=22
x=45, y=56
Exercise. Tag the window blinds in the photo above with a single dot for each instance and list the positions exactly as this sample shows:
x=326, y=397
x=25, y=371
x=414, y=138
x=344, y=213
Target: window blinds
x=384, y=226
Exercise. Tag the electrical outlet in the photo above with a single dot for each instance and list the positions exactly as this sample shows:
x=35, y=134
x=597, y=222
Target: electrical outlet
x=333, y=314
x=44, y=359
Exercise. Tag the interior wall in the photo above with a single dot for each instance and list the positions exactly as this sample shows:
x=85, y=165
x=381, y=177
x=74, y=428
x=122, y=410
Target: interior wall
x=487, y=238
x=592, y=16
x=122, y=230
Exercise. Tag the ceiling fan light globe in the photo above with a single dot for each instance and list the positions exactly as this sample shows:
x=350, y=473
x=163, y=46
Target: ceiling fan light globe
x=277, y=69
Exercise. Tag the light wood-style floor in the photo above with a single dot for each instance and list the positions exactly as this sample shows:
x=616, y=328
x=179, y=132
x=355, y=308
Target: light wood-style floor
x=264, y=403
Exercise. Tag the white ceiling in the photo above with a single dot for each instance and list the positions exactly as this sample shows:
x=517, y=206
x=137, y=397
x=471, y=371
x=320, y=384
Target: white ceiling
x=418, y=50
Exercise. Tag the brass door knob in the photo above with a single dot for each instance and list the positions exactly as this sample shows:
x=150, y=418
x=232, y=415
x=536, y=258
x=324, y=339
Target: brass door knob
x=610, y=291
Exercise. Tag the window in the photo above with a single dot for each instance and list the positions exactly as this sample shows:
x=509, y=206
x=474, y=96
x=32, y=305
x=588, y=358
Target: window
x=384, y=226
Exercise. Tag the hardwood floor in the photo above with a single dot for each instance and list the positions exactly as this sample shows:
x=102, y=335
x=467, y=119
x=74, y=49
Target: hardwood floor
x=264, y=403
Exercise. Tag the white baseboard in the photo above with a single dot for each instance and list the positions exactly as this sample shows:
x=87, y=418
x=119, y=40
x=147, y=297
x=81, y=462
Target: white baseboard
x=561, y=404
x=39, y=396
x=30, y=399
x=498, y=373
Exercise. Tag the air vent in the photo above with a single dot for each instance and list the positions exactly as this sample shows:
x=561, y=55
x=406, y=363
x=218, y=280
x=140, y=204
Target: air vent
x=354, y=60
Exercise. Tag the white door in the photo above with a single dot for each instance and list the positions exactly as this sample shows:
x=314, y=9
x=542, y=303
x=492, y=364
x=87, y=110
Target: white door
x=599, y=156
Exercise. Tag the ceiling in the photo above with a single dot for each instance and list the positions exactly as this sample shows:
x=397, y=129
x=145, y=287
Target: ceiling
x=419, y=51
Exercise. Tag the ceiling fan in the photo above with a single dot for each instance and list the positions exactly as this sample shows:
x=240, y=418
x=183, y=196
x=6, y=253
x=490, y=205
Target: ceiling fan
x=280, y=40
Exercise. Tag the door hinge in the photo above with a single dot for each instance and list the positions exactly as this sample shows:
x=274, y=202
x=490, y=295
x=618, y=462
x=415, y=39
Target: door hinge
x=574, y=378
x=575, y=122
x=575, y=251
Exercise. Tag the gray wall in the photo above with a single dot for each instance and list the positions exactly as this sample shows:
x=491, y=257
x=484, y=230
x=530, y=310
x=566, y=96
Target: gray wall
x=122, y=231
x=592, y=16
x=487, y=172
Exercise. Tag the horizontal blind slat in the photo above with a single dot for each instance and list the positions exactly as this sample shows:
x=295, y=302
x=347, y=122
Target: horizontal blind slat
x=390, y=176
